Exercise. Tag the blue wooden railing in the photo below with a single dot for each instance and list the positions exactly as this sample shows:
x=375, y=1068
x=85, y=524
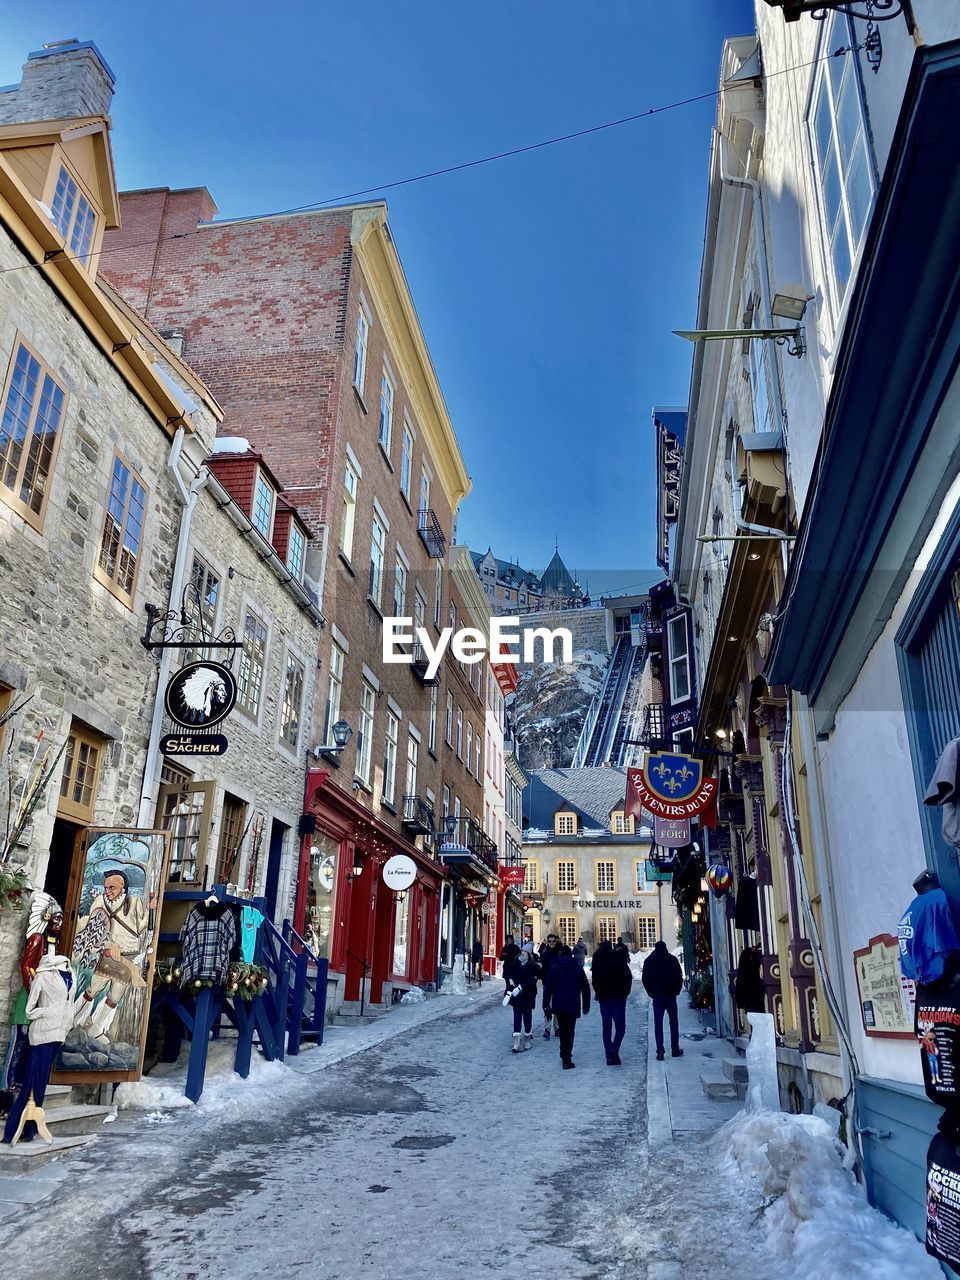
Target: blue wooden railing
x=312, y=976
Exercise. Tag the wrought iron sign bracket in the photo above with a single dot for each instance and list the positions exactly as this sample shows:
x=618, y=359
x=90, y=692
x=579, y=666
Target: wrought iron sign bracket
x=176, y=632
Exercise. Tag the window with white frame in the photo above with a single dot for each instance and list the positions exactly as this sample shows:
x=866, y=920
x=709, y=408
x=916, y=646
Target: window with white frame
x=406, y=458
x=608, y=928
x=568, y=930
x=349, y=517
x=334, y=690
x=460, y=732
x=565, y=824
x=263, y=499
x=477, y=756
x=446, y=802
x=387, y=395
x=399, y=585
x=842, y=159
x=606, y=876
x=205, y=588
x=531, y=875
x=678, y=642
x=33, y=405
x=469, y=755
x=622, y=823
x=760, y=371
x=378, y=544
x=296, y=551
x=365, y=732
x=432, y=722
x=566, y=876
x=360, y=348
x=390, y=758
x=424, y=504
x=291, y=705
x=448, y=727
x=73, y=215
x=646, y=932
x=438, y=592
x=253, y=658
x=413, y=756
x=419, y=609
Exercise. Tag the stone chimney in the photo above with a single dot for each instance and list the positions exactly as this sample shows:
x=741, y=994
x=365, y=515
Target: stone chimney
x=62, y=81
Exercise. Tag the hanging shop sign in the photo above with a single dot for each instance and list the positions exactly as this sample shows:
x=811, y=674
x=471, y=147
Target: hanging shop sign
x=671, y=833
x=511, y=877
x=193, y=744
x=200, y=695
x=670, y=425
x=399, y=872
x=670, y=785
x=885, y=995
x=943, y=1201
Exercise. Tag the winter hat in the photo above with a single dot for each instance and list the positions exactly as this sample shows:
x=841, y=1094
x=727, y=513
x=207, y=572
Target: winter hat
x=527, y=946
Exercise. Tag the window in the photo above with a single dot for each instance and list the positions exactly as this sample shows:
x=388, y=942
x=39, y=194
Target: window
x=334, y=689
x=606, y=876
x=622, y=824
x=232, y=832
x=365, y=732
x=390, y=758
x=646, y=932
x=438, y=591
x=360, y=349
x=608, y=928
x=184, y=811
x=843, y=165
x=448, y=727
x=296, y=551
x=406, y=459
x=453, y=616
x=759, y=368
x=387, y=394
x=263, y=496
x=424, y=504
x=565, y=824
x=253, y=658
x=477, y=756
x=81, y=775
x=446, y=802
x=292, y=701
x=399, y=586
x=531, y=875
x=33, y=406
x=460, y=732
x=568, y=930
x=679, y=659
x=432, y=724
x=73, y=215
x=469, y=754
x=122, y=534
x=202, y=604
x=413, y=755
x=348, y=521
x=567, y=877
x=640, y=884
x=378, y=542
x=419, y=609
x=401, y=929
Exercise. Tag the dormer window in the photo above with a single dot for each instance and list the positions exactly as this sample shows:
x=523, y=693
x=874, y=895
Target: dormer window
x=622, y=824
x=565, y=824
x=73, y=215
x=296, y=551
x=263, y=500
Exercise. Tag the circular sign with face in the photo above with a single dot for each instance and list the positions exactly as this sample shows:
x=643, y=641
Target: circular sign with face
x=399, y=872
x=201, y=694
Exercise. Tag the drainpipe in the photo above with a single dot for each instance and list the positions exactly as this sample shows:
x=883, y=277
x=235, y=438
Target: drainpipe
x=188, y=499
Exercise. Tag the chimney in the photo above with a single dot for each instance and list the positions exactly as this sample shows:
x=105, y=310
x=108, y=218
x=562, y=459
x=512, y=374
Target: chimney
x=64, y=80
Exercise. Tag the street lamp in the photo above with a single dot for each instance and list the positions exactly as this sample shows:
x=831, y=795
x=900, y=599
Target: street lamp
x=866, y=10
x=342, y=733
x=356, y=871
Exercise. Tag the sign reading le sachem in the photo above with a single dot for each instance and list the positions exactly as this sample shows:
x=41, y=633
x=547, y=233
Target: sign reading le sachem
x=670, y=785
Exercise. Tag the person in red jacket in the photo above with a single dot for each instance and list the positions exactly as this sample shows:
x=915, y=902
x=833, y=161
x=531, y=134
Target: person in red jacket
x=662, y=980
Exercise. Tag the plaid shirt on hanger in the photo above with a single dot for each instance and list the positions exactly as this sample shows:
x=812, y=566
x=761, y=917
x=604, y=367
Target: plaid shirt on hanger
x=206, y=940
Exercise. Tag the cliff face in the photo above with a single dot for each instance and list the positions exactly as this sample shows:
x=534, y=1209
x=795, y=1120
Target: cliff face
x=551, y=705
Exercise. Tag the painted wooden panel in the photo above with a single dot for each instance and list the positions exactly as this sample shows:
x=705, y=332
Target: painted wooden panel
x=32, y=165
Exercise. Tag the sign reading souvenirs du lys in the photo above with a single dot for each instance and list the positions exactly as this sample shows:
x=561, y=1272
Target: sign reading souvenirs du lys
x=670, y=785
x=198, y=696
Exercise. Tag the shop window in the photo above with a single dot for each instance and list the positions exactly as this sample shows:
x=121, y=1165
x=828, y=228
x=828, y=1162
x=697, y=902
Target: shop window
x=122, y=535
x=565, y=824
x=401, y=929
x=292, y=702
x=568, y=930
x=606, y=876
x=253, y=657
x=33, y=406
x=232, y=833
x=531, y=875
x=202, y=604
x=320, y=894
x=622, y=824
x=81, y=775
x=646, y=932
x=608, y=928
x=566, y=876
x=73, y=216
x=184, y=811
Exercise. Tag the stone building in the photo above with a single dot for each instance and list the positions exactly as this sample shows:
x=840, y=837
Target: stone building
x=586, y=862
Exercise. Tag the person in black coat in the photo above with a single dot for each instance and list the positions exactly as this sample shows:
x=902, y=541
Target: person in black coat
x=549, y=955
x=565, y=992
x=508, y=952
x=612, y=983
x=662, y=980
x=522, y=975
x=476, y=955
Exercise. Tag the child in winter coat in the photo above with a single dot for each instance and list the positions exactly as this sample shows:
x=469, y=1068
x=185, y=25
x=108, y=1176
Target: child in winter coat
x=522, y=975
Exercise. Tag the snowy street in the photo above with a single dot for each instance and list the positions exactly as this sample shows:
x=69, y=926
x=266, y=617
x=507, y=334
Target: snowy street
x=434, y=1154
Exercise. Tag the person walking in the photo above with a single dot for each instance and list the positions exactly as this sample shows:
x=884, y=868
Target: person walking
x=580, y=952
x=476, y=955
x=508, y=952
x=549, y=955
x=566, y=991
x=612, y=983
x=662, y=980
x=522, y=976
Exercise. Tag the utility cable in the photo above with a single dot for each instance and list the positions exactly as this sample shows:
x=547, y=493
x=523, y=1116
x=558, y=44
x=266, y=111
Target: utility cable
x=442, y=172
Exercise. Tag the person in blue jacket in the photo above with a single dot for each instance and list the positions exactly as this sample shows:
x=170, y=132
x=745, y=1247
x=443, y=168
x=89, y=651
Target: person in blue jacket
x=565, y=992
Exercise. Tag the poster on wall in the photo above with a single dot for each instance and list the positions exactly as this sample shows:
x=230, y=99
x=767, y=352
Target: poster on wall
x=943, y=1201
x=938, y=1031
x=116, y=901
x=885, y=996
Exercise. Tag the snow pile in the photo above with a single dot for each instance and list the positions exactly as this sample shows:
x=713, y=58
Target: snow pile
x=815, y=1216
x=636, y=963
x=455, y=982
x=224, y=1092
x=413, y=996
x=763, y=1091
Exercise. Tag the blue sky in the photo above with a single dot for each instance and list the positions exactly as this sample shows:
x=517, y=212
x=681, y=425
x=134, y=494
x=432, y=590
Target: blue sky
x=547, y=284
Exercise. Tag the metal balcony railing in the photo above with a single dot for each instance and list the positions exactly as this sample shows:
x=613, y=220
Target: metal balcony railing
x=431, y=534
x=652, y=734
x=418, y=815
x=462, y=838
x=420, y=663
